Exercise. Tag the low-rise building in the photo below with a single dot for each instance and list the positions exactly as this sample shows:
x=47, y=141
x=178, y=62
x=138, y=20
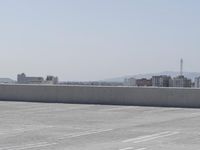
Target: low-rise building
x=182, y=81
x=23, y=79
x=130, y=82
x=144, y=82
x=51, y=80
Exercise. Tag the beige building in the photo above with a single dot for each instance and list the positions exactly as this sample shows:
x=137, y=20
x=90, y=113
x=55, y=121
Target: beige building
x=144, y=82
x=23, y=79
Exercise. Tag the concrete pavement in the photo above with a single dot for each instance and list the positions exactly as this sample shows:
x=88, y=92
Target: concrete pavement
x=53, y=126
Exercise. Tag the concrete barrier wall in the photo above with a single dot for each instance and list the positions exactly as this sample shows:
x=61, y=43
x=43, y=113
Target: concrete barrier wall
x=168, y=97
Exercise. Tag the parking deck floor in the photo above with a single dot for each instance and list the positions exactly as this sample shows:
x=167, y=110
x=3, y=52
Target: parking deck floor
x=51, y=126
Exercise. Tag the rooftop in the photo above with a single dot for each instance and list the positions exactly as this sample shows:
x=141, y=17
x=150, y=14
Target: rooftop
x=96, y=127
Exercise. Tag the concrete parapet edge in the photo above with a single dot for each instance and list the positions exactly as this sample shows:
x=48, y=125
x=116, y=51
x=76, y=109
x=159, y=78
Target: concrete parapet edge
x=138, y=96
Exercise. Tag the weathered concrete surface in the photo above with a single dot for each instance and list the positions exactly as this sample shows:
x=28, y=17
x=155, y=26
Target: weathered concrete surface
x=168, y=97
x=47, y=126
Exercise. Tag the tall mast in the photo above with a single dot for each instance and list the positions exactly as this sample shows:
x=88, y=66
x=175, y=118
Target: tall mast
x=181, y=67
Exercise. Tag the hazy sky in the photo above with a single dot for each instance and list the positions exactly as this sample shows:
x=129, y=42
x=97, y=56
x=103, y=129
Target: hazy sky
x=98, y=39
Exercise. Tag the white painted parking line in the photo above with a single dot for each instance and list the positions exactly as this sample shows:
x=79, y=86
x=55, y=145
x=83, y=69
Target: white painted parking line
x=150, y=137
x=28, y=146
x=195, y=114
x=143, y=137
x=161, y=136
x=141, y=149
x=74, y=135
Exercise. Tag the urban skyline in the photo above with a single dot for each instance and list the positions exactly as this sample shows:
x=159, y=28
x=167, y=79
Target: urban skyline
x=180, y=74
x=161, y=80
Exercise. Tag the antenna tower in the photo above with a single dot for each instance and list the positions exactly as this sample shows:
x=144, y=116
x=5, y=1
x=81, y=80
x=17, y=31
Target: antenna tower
x=181, y=67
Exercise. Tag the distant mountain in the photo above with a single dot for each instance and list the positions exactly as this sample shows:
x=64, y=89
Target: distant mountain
x=6, y=80
x=190, y=75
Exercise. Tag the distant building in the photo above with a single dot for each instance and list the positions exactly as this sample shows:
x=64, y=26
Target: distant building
x=197, y=82
x=144, y=82
x=161, y=81
x=93, y=83
x=51, y=80
x=23, y=79
x=130, y=82
x=182, y=81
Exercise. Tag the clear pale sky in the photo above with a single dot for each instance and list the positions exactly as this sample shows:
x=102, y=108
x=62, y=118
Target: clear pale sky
x=98, y=39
